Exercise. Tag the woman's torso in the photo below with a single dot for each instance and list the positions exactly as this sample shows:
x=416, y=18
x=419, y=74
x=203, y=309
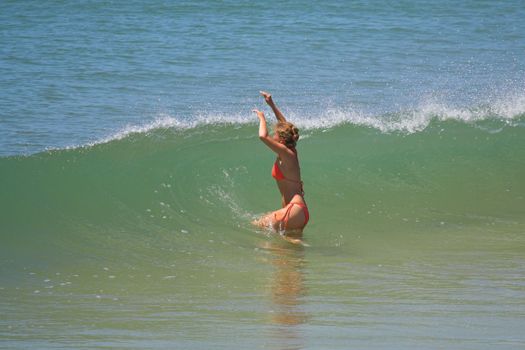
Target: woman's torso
x=289, y=183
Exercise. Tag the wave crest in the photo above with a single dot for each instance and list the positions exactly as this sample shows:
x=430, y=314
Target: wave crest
x=508, y=111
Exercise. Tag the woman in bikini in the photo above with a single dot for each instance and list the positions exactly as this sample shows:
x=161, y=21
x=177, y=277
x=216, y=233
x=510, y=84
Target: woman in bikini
x=293, y=216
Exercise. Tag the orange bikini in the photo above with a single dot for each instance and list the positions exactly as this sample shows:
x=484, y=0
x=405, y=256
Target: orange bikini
x=278, y=175
x=276, y=172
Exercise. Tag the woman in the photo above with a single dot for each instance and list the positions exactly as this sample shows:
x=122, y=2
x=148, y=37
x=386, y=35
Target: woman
x=293, y=216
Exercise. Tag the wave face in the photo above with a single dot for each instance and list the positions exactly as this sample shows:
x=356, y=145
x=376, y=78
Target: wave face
x=191, y=184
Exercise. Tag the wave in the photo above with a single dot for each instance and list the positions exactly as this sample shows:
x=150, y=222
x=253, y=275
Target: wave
x=190, y=180
x=508, y=111
x=227, y=154
x=207, y=182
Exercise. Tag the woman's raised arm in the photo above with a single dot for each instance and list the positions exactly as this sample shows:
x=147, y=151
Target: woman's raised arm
x=275, y=146
x=268, y=98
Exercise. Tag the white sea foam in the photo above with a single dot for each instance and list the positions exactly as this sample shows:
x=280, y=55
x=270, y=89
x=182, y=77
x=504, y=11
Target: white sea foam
x=165, y=121
x=408, y=121
x=419, y=118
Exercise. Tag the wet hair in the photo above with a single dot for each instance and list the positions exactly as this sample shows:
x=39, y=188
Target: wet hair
x=288, y=133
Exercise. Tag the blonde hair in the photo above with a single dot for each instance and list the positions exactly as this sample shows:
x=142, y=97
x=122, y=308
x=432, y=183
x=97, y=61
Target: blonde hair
x=288, y=133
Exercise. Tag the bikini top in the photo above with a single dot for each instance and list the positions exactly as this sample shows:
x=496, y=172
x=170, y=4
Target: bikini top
x=278, y=175
x=276, y=172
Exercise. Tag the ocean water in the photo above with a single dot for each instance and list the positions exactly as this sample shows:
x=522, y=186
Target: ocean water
x=130, y=170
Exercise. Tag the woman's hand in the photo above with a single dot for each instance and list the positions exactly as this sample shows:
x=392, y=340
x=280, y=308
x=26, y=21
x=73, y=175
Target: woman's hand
x=267, y=96
x=259, y=113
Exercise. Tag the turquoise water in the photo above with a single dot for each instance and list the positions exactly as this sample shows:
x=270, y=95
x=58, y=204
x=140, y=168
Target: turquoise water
x=130, y=170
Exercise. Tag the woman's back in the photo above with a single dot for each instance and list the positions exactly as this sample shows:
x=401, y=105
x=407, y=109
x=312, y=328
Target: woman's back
x=287, y=173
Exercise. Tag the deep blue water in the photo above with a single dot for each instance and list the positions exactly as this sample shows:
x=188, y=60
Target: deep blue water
x=72, y=73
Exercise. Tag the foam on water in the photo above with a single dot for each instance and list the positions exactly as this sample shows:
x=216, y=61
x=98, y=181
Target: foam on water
x=507, y=110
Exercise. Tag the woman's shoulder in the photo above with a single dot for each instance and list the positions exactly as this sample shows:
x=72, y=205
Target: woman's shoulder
x=289, y=153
